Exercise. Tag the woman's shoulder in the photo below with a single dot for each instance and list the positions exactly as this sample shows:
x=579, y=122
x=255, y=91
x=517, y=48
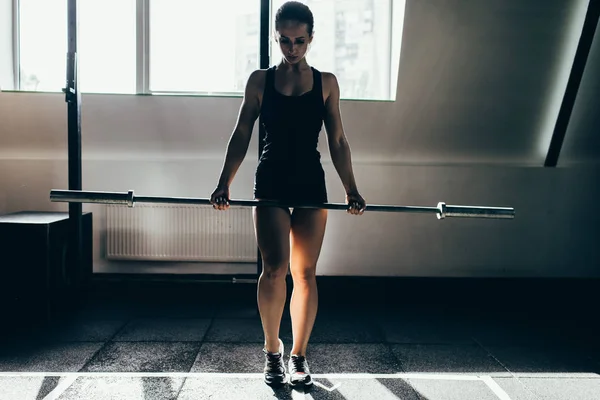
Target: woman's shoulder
x=325, y=75
x=257, y=76
x=328, y=79
x=256, y=80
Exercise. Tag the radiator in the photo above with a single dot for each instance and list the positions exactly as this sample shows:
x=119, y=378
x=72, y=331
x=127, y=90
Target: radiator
x=180, y=233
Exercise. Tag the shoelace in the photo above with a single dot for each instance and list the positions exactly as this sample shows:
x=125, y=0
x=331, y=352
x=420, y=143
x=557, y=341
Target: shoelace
x=273, y=361
x=299, y=364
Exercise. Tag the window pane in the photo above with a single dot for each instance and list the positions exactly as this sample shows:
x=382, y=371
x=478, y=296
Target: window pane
x=43, y=44
x=203, y=45
x=351, y=39
x=106, y=45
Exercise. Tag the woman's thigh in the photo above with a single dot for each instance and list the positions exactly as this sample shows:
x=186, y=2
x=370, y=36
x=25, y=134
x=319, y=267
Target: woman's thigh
x=307, y=233
x=272, y=230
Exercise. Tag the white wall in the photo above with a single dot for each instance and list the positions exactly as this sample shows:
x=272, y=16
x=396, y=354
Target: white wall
x=467, y=128
x=6, y=45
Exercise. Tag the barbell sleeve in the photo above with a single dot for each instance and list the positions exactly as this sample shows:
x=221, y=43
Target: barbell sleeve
x=129, y=199
x=475, y=212
x=79, y=196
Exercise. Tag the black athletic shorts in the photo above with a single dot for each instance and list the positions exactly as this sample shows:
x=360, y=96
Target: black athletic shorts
x=303, y=184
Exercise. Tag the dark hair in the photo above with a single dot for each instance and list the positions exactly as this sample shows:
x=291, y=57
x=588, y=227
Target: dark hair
x=295, y=11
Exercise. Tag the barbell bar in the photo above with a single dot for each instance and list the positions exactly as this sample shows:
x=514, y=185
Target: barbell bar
x=130, y=199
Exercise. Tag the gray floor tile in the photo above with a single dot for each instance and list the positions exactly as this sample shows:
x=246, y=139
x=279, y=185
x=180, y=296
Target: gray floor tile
x=113, y=388
x=86, y=329
x=447, y=359
x=515, y=389
x=231, y=389
x=323, y=389
x=249, y=358
x=230, y=311
x=26, y=388
x=504, y=331
x=345, y=329
x=243, y=330
x=230, y=358
x=426, y=313
x=433, y=389
x=164, y=330
x=49, y=357
x=360, y=389
x=431, y=329
x=349, y=312
x=539, y=359
x=144, y=357
x=105, y=310
x=429, y=340
x=351, y=358
x=177, y=310
x=563, y=388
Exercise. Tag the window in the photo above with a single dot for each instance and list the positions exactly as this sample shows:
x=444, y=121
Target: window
x=42, y=45
x=199, y=46
x=107, y=57
x=203, y=46
x=353, y=40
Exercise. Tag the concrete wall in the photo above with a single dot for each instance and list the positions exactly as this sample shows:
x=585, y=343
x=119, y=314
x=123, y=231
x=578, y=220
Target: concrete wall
x=477, y=94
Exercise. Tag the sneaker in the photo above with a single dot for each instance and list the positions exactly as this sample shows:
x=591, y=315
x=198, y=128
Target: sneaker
x=274, y=367
x=299, y=372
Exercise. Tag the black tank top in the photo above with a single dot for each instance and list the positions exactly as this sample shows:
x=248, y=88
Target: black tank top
x=292, y=124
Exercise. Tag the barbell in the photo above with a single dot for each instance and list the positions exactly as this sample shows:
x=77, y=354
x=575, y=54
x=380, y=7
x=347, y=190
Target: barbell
x=129, y=199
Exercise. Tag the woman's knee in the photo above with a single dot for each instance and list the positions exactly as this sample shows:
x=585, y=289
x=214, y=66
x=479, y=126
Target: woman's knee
x=275, y=271
x=273, y=236
x=275, y=262
x=306, y=273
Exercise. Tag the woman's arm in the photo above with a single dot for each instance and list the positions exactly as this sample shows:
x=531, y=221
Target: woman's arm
x=338, y=144
x=237, y=146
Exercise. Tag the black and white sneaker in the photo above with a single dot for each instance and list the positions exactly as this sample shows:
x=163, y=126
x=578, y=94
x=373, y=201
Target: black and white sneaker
x=274, y=367
x=299, y=372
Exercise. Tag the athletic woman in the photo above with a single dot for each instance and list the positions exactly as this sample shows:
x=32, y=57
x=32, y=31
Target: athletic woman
x=294, y=100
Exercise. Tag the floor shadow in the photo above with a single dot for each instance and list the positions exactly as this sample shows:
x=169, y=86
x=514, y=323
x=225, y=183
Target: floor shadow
x=401, y=389
x=161, y=388
x=48, y=384
x=324, y=389
x=282, y=392
x=350, y=389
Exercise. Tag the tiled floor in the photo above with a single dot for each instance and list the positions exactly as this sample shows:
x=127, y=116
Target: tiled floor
x=209, y=351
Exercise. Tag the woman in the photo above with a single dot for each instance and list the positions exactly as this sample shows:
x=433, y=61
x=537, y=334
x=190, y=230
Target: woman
x=294, y=101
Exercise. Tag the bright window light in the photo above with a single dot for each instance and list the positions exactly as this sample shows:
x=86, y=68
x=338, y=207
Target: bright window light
x=106, y=45
x=353, y=40
x=203, y=46
x=42, y=45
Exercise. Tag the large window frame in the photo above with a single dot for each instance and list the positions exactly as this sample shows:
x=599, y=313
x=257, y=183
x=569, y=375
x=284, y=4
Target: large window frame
x=143, y=52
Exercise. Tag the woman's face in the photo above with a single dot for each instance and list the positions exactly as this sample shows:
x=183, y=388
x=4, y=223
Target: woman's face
x=293, y=39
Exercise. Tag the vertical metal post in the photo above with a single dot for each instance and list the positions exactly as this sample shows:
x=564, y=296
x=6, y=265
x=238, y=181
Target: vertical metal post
x=73, y=99
x=390, y=52
x=265, y=15
x=16, y=45
x=142, y=46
